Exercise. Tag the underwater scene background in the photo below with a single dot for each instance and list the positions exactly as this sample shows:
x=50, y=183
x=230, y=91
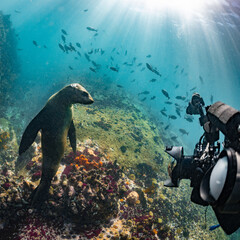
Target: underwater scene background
x=141, y=61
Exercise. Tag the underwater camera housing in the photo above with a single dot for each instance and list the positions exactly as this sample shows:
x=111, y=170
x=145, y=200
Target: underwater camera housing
x=214, y=175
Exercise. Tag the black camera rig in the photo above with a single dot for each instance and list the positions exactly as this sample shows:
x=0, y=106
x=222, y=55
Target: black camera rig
x=214, y=175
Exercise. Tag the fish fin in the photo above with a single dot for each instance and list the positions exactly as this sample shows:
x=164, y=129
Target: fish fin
x=72, y=136
x=30, y=133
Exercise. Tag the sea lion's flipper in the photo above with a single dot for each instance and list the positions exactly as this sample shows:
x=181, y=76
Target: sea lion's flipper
x=72, y=136
x=30, y=133
x=41, y=193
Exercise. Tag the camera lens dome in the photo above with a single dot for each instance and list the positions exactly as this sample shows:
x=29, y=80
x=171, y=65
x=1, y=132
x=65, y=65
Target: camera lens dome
x=218, y=177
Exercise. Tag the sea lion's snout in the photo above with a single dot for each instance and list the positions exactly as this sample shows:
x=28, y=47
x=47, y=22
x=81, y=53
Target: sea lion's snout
x=90, y=99
x=85, y=97
x=79, y=94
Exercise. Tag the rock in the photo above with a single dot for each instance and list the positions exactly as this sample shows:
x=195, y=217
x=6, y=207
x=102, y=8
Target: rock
x=132, y=198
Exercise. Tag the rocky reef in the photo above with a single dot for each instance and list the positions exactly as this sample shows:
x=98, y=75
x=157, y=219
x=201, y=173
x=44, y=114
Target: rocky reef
x=8, y=60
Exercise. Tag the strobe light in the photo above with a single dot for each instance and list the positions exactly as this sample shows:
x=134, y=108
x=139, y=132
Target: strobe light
x=220, y=187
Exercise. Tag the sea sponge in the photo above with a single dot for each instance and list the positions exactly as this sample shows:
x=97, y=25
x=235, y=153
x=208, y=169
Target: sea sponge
x=132, y=198
x=82, y=160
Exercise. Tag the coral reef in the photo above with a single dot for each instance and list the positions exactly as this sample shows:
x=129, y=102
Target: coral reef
x=94, y=198
x=8, y=142
x=8, y=59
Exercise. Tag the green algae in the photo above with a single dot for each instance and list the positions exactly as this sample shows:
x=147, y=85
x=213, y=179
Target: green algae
x=122, y=129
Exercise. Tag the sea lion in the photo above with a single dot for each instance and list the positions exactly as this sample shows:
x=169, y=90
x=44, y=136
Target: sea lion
x=56, y=123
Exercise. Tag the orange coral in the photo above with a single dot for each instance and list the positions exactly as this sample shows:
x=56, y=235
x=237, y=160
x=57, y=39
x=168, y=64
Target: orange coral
x=155, y=231
x=83, y=161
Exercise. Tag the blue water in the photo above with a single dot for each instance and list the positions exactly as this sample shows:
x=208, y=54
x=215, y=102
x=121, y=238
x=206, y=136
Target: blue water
x=203, y=42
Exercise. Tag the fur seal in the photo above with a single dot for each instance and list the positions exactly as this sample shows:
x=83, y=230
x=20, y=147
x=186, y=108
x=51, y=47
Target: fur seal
x=56, y=123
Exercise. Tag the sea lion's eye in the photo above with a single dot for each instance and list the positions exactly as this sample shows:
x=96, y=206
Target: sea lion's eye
x=84, y=94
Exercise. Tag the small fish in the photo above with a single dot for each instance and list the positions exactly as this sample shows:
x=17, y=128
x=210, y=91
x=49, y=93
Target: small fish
x=125, y=53
x=35, y=43
x=177, y=86
x=174, y=138
x=70, y=68
x=189, y=118
x=152, y=69
x=177, y=66
x=94, y=64
x=127, y=64
x=192, y=89
x=78, y=44
x=61, y=47
x=201, y=79
x=114, y=69
x=168, y=102
x=63, y=38
x=211, y=99
x=165, y=93
x=142, y=100
x=90, y=52
x=180, y=98
x=172, y=117
x=143, y=69
x=120, y=86
x=132, y=71
x=145, y=92
x=19, y=49
x=134, y=59
x=79, y=54
x=182, y=71
x=153, y=97
x=45, y=46
x=112, y=58
x=153, y=80
x=92, y=69
x=133, y=80
x=85, y=10
x=164, y=109
x=214, y=227
x=72, y=47
x=148, y=56
x=95, y=35
x=92, y=29
x=16, y=11
x=178, y=112
x=183, y=131
x=87, y=57
x=177, y=105
x=140, y=64
x=64, y=32
x=67, y=48
x=163, y=113
x=167, y=127
x=113, y=49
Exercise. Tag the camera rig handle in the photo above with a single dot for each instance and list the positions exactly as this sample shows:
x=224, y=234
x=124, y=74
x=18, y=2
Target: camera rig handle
x=195, y=107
